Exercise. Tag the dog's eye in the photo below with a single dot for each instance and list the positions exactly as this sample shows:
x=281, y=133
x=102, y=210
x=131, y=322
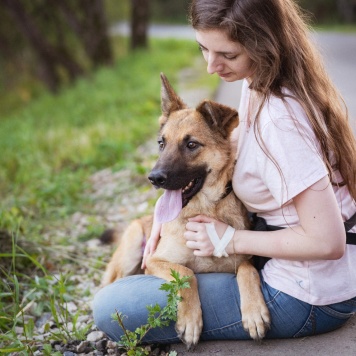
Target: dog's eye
x=161, y=145
x=192, y=145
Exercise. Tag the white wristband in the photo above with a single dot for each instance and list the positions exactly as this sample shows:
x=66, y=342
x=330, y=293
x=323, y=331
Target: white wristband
x=219, y=245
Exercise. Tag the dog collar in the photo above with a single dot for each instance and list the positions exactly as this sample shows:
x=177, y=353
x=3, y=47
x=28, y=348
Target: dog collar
x=228, y=190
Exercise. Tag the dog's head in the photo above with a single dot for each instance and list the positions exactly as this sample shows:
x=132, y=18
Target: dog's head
x=195, y=149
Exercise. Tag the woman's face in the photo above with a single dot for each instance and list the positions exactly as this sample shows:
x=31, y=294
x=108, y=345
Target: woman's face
x=228, y=59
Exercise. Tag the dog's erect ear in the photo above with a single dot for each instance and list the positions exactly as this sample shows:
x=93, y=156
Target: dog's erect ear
x=224, y=118
x=170, y=101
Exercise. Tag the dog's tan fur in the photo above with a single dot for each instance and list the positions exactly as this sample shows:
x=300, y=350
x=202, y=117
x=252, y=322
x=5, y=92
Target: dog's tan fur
x=194, y=140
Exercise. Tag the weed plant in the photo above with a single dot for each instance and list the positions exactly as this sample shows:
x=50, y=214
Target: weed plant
x=157, y=316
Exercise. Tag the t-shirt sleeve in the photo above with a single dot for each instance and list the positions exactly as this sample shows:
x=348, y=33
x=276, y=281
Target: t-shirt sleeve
x=289, y=158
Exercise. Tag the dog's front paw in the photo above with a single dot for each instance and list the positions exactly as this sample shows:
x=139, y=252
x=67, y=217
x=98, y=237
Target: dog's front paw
x=189, y=325
x=256, y=320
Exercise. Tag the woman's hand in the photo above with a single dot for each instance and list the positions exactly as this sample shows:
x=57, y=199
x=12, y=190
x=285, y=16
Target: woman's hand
x=197, y=236
x=152, y=242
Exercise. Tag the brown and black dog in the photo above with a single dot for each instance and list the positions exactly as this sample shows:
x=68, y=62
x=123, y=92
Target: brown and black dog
x=195, y=168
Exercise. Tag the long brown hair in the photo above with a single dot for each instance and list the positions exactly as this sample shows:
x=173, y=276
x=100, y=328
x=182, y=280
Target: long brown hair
x=275, y=34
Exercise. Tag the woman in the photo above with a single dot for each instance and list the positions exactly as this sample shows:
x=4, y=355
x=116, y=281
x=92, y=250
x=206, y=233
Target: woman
x=296, y=168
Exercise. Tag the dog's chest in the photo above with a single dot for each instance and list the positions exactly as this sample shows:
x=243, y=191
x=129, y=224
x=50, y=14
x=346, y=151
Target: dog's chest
x=172, y=248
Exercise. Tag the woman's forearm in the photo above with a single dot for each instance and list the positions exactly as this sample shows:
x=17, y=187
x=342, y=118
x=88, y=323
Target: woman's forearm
x=289, y=243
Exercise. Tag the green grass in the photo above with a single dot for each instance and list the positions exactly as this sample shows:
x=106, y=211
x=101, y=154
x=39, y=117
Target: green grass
x=336, y=27
x=49, y=149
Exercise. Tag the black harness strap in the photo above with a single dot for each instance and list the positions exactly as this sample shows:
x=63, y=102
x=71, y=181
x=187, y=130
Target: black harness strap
x=350, y=236
x=349, y=224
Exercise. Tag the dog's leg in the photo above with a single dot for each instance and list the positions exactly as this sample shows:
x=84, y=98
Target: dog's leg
x=189, y=319
x=255, y=314
x=127, y=258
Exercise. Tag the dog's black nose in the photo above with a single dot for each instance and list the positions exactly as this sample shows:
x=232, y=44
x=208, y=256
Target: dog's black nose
x=158, y=178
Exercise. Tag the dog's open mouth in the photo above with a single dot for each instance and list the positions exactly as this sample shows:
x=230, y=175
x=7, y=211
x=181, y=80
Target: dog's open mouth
x=190, y=190
x=170, y=204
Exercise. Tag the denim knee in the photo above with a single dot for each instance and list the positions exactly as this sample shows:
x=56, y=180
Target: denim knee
x=102, y=312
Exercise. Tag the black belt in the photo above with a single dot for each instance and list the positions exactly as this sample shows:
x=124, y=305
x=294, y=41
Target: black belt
x=260, y=224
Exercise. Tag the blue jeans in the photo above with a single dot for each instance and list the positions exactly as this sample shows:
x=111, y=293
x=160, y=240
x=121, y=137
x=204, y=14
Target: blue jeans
x=220, y=300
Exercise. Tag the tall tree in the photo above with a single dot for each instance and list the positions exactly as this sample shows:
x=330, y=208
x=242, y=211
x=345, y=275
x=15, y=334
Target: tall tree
x=140, y=14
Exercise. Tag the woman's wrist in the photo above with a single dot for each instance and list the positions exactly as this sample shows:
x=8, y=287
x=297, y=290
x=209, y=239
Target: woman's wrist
x=231, y=248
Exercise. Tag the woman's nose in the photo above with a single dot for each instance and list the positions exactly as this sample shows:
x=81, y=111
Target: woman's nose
x=213, y=65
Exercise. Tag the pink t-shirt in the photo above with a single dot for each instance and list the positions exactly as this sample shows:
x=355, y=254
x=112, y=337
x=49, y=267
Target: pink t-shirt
x=267, y=187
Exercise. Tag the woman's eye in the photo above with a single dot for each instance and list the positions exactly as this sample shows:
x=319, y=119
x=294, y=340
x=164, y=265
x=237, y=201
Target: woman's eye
x=202, y=49
x=230, y=58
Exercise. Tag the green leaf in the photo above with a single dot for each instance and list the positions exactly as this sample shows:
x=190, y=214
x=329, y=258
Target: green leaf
x=47, y=349
x=29, y=327
x=47, y=327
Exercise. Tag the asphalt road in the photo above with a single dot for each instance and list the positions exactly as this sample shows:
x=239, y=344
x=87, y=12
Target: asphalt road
x=339, y=53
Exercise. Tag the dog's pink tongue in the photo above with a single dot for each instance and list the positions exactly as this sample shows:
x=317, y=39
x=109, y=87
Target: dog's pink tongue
x=168, y=206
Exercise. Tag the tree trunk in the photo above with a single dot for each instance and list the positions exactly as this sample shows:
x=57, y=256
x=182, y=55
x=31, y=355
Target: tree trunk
x=87, y=19
x=99, y=47
x=139, y=23
x=50, y=57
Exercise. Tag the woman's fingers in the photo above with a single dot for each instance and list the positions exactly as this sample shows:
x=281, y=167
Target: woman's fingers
x=149, y=249
x=192, y=244
x=194, y=227
x=197, y=239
